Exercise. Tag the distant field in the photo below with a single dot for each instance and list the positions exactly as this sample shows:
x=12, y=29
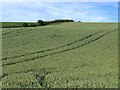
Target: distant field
x=13, y=24
x=68, y=55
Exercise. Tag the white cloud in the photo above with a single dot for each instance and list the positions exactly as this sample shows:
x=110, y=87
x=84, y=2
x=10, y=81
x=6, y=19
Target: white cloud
x=83, y=12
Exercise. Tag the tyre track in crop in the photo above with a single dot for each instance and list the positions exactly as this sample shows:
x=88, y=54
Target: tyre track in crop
x=51, y=49
x=30, y=59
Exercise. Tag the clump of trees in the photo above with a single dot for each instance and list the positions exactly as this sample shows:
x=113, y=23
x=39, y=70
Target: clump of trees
x=43, y=23
x=61, y=21
x=58, y=21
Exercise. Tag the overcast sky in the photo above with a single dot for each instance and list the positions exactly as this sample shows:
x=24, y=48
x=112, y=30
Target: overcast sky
x=78, y=11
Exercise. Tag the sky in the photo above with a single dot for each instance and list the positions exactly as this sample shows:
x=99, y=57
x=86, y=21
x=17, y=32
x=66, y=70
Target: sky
x=78, y=11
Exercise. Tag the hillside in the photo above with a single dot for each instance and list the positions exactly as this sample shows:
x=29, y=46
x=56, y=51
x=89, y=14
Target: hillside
x=59, y=56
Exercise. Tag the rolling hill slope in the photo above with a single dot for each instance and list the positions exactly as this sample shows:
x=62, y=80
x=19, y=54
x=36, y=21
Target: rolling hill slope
x=59, y=56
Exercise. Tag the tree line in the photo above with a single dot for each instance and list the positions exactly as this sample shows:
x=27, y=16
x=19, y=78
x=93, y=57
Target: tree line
x=38, y=23
x=43, y=23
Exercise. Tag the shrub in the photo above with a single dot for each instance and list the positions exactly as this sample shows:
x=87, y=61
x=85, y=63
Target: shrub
x=40, y=22
x=25, y=25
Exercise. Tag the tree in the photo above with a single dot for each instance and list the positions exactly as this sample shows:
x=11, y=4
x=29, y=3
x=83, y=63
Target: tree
x=40, y=22
x=25, y=25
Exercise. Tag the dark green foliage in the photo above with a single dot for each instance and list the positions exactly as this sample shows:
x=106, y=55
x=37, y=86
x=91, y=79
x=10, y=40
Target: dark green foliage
x=33, y=25
x=40, y=22
x=58, y=21
x=25, y=25
x=17, y=24
x=62, y=20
